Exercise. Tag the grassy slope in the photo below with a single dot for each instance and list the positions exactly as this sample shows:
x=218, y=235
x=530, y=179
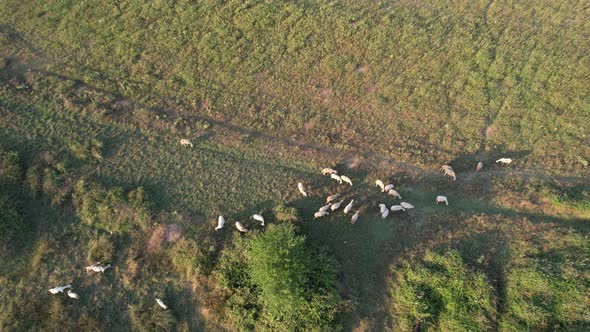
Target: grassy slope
x=348, y=77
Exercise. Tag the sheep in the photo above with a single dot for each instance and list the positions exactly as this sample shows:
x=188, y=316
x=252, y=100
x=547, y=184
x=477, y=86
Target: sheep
x=393, y=192
x=382, y=207
x=395, y=208
x=448, y=171
x=259, y=218
x=336, y=177
x=346, y=179
x=98, y=268
x=406, y=206
x=185, y=142
x=301, y=189
x=504, y=161
x=442, y=199
x=384, y=214
x=335, y=206
x=161, y=304
x=325, y=207
x=348, y=207
x=332, y=197
x=380, y=184
x=73, y=295
x=330, y=171
x=220, y=223
x=354, y=217
x=388, y=187
x=59, y=289
x=241, y=227
x=320, y=214
x=479, y=167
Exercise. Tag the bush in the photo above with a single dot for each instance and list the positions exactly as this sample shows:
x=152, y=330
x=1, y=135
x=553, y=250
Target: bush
x=100, y=250
x=10, y=171
x=12, y=221
x=110, y=209
x=285, y=214
x=443, y=292
x=189, y=259
x=150, y=318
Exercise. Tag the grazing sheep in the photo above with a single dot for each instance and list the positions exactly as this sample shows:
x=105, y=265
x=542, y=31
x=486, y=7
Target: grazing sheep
x=388, y=187
x=336, y=177
x=325, y=207
x=161, y=304
x=479, y=166
x=395, y=208
x=335, y=206
x=241, y=227
x=442, y=199
x=220, y=223
x=406, y=206
x=301, y=189
x=73, y=295
x=382, y=207
x=504, y=161
x=355, y=217
x=330, y=171
x=393, y=192
x=448, y=171
x=331, y=198
x=348, y=207
x=259, y=218
x=185, y=142
x=380, y=184
x=320, y=214
x=346, y=179
x=98, y=268
x=384, y=214
x=59, y=289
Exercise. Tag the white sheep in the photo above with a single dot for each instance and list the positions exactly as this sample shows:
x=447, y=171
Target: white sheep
x=388, y=187
x=332, y=197
x=241, y=227
x=348, y=207
x=73, y=295
x=301, y=189
x=441, y=199
x=259, y=218
x=161, y=304
x=336, y=177
x=382, y=207
x=98, y=268
x=504, y=161
x=327, y=171
x=380, y=184
x=325, y=207
x=185, y=142
x=355, y=217
x=346, y=179
x=394, y=193
x=448, y=171
x=406, y=206
x=395, y=208
x=479, y=166
x=220, y=223
x=59, y=289
x=384, y=214
x=320, y=214
x=335, y=206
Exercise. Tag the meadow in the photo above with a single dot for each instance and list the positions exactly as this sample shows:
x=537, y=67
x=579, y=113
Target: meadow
x=95, y=96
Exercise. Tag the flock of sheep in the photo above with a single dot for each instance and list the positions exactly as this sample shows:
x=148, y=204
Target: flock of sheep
x=331, y=206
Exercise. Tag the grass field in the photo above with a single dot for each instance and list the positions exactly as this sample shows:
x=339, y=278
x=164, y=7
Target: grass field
x=94, y=98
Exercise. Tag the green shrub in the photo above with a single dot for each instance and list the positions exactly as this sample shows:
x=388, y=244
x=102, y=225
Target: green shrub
x=12, y=221
x=10, y=171
x=189, y=259
x=110, y=209
x=145, y=317
x=285, y=214
x=100, y=249
x=443, y=292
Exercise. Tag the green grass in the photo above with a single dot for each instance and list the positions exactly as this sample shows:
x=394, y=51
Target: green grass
x=94, y=98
